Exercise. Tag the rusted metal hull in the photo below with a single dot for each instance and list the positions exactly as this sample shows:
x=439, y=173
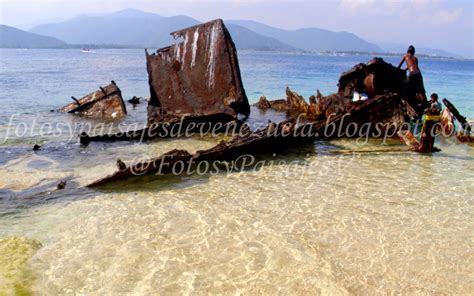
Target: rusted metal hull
x=198, y=76
x=271, y=139
x=107, y=102
x=374, y=79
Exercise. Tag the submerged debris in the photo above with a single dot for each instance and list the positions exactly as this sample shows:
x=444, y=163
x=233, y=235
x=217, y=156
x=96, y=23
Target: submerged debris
x=135, y=100
x=198, y=81
x=362, y=81
x=277, y=105
x=293, y=105
x=273, y=138
x=121, y=165
x=176, y=127
x=105, y=103
x=380, y=115
x=198, y=76
x=263, y=103
x=61, y=185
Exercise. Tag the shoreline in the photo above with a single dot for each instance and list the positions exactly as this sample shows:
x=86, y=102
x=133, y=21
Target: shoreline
x=322, y=53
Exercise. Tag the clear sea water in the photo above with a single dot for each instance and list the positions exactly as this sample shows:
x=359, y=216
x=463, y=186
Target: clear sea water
x=329, y=221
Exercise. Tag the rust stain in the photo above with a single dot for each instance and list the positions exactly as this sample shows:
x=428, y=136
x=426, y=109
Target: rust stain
x=198, y=76
x=107, y=102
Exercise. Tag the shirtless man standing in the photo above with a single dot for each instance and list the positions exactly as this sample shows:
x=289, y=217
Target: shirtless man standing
x=414, y=83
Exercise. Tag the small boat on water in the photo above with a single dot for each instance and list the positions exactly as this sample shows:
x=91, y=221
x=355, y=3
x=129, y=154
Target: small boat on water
x=87, y=50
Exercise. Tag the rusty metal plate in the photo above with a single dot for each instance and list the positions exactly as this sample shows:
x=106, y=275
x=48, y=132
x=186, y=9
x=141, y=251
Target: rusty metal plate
x=198, y=76
x=107, y=102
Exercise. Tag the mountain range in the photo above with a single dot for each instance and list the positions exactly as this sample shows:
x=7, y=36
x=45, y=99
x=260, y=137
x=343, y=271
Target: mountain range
x=11, y=37
x=138, y=29
x=311, y=39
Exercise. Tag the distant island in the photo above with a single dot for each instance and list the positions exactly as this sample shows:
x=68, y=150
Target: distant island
x=131, y=28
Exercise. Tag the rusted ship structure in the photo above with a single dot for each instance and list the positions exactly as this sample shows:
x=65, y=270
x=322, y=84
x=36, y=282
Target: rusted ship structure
x=192, y=82
x=198, y=81
x=376, y=78
x=107, y=102
x=274, y=138
x=199, y=76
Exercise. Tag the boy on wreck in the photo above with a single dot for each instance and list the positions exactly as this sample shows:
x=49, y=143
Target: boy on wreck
x=434, y=101
x=413, y=86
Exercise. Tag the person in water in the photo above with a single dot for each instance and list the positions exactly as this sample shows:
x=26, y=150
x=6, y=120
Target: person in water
x=413, y=86
x=430, y=129
x=434, y=101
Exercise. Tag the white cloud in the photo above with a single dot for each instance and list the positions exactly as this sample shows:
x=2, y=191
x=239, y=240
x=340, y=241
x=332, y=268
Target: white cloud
x=440, y=16
x=446, y=16
x=424, y=11
x=352, y=5
x=393, y=5
x=422, y=3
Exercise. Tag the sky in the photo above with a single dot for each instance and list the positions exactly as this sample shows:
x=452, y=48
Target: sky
x=441, y=24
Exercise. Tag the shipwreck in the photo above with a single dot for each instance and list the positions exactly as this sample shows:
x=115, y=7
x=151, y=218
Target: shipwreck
x=275, y=137
x=193, y=82
x=107, y=102
x=366, y=81
x=198, y=81
x=384, y=111
x=199, y=76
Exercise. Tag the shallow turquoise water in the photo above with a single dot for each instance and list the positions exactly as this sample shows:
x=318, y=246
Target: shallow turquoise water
x=324, y=221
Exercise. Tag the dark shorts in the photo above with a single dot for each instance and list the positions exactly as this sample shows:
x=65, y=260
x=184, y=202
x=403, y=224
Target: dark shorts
x=415, y=83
